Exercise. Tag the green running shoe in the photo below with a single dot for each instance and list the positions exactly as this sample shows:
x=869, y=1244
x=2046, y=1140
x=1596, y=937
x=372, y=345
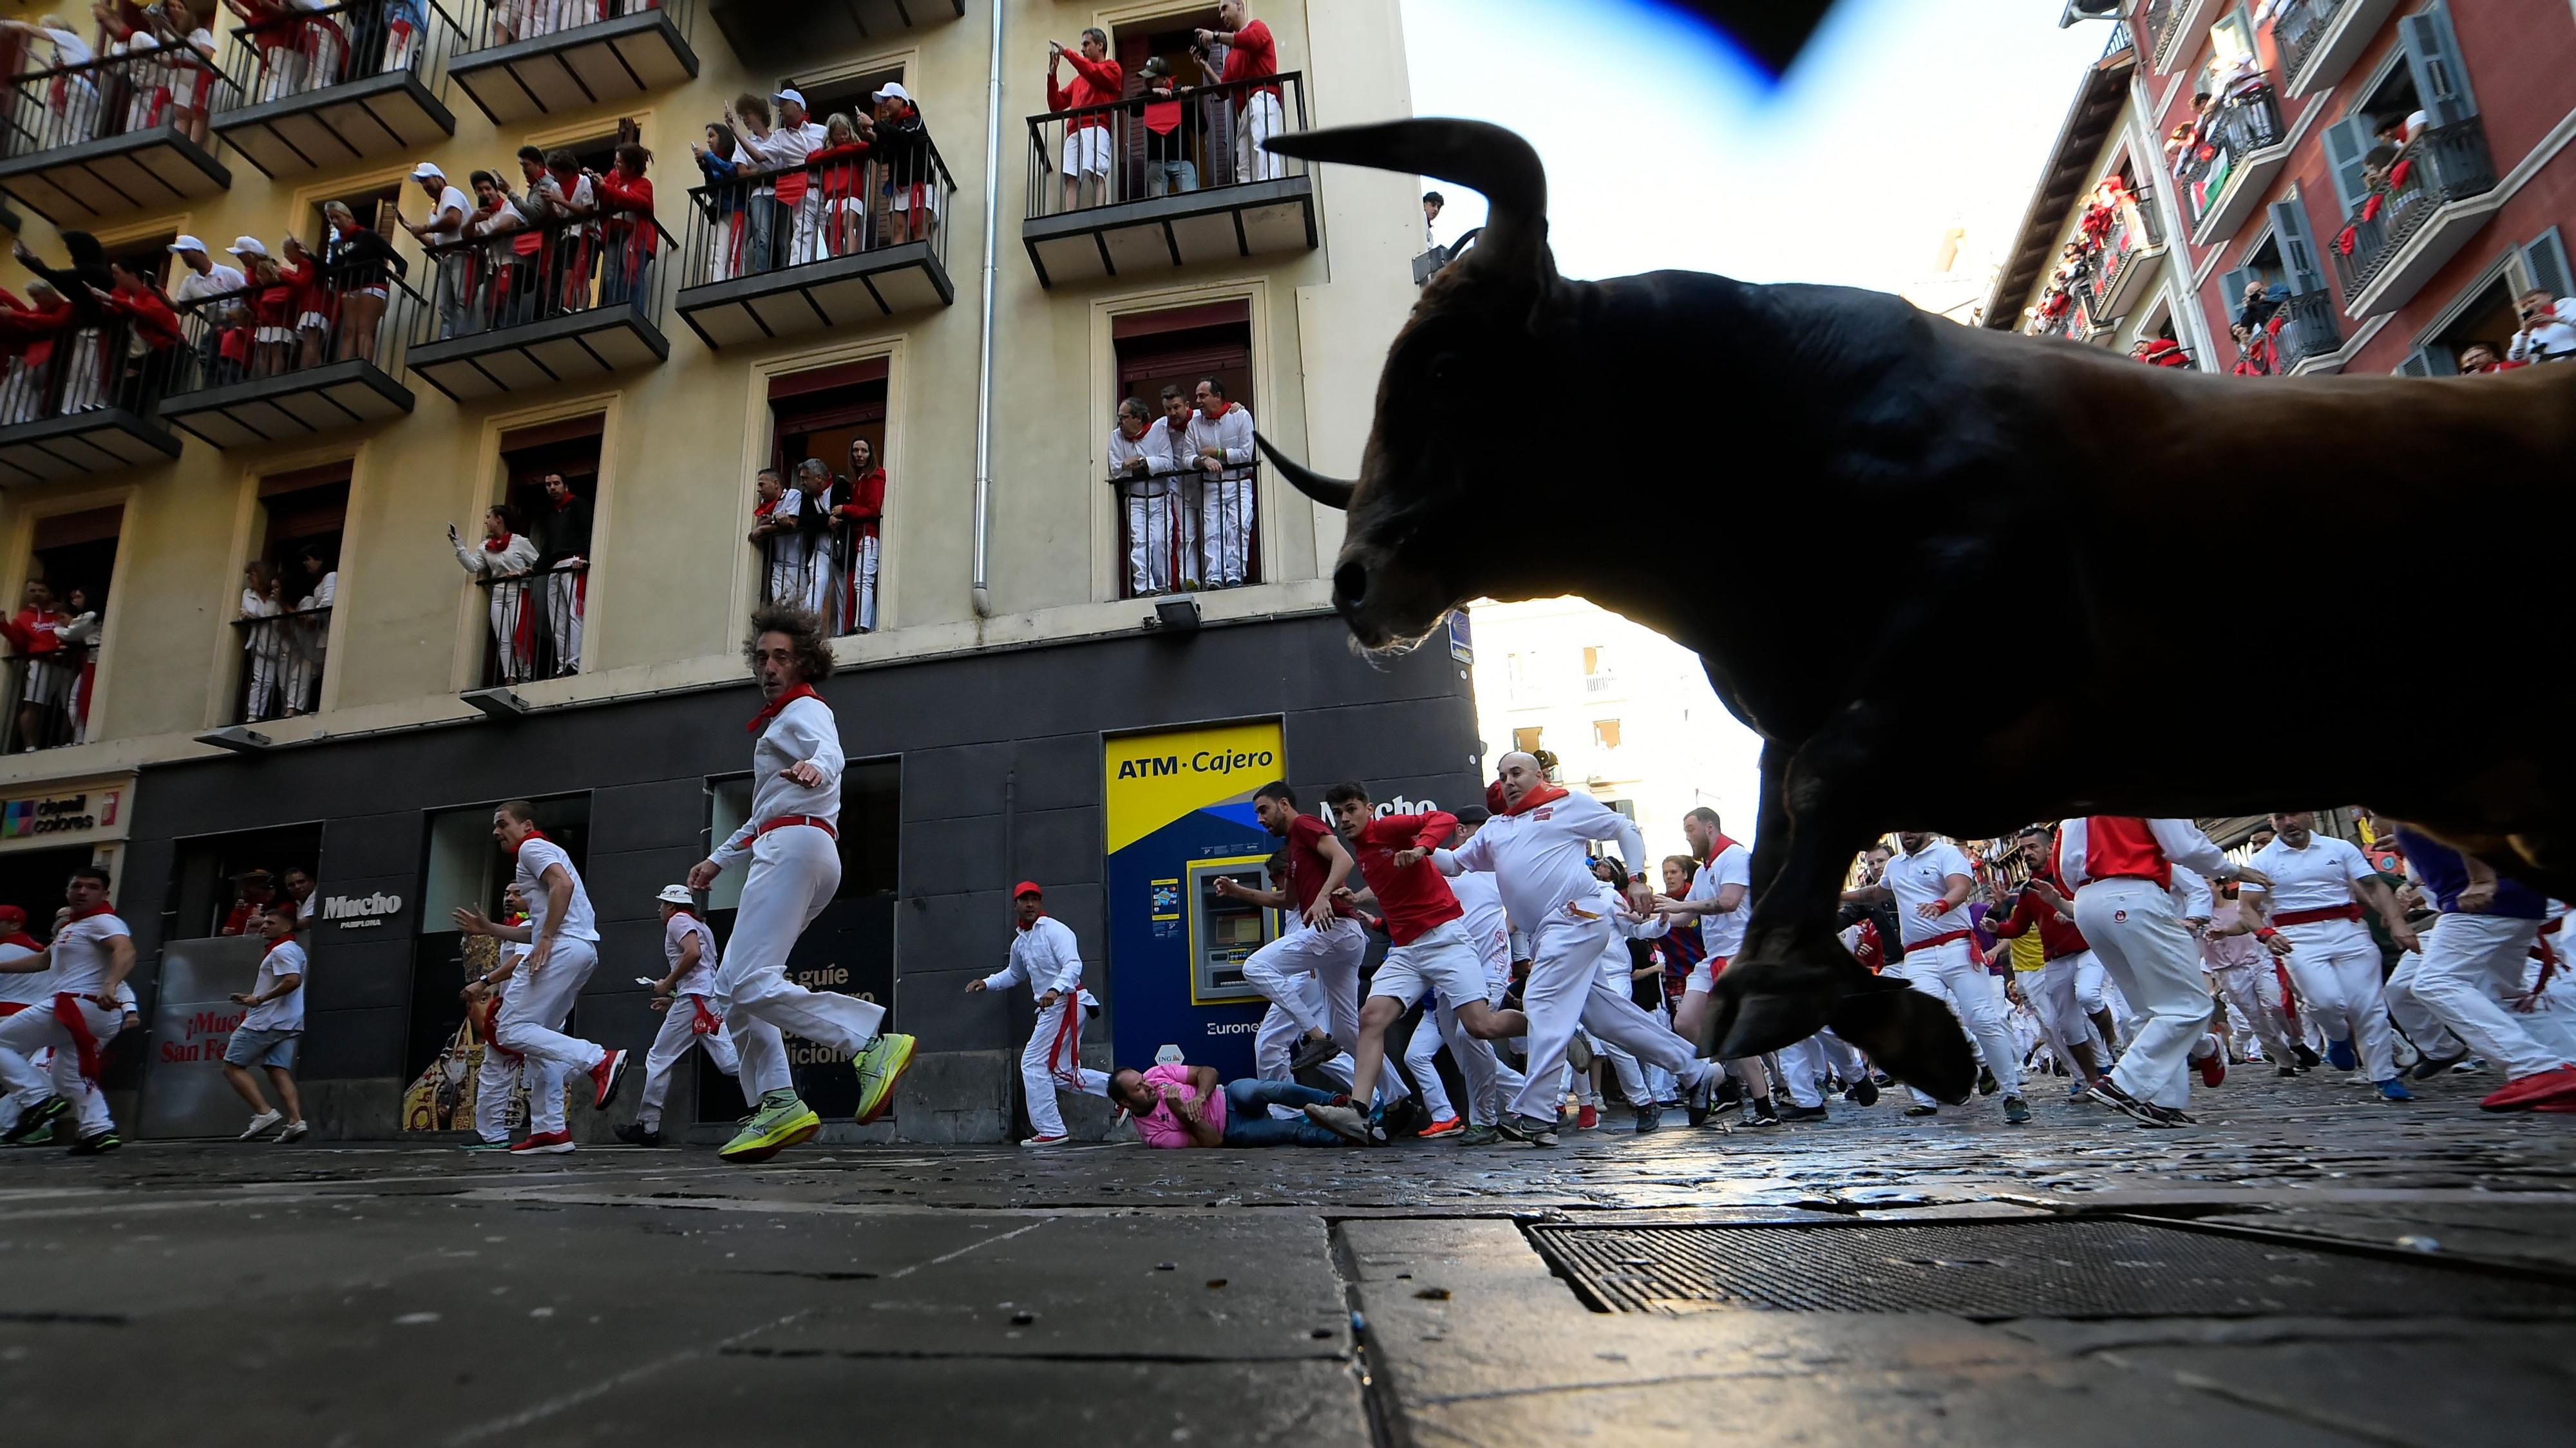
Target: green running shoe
x=780, y=1121
x=880, y=1066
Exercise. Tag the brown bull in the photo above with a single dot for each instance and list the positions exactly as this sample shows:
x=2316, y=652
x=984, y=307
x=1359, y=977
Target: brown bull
x=2172, y=576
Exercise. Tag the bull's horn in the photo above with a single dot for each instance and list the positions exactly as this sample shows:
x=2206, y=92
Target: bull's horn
x=1485, y=157
x=1331, y=492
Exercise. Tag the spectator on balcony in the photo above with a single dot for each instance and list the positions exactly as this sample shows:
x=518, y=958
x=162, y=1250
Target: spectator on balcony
x=1150, y=495
x=797, y=221
x=1168, y=168
x=31, y=332
x=81, y=353
x=2482, y=357
x=862, y=513
x=506, y=557
x=774, y=532
x=749, y=121
x=629, y=237
x=572, y=201
x=35, y=636
x=272, y=307
x=273, y=31
x=902, y=150
x=445, y=226
x=566, y=561
x=840, y=172
x=1097, y=81
x=1433, y=203
x=502, y=269
x=2160, y=352
x=79, y=635
x=1220, y=447
x=406, y=21
x=720, y=162
x=362, y=266
x=309, y=302
x=253, y=892
x=2548, y=332
x=204, y=278
x=152, y=335
x=2261, y=301
x=1251, y=56
x=71, y=96
x=817, y=507
x=263, y=642
x=1218, y=122
x=309, y=631
x=2258, y=352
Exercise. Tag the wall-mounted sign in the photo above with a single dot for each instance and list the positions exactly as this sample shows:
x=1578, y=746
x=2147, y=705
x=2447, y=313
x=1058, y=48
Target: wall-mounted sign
x=361, y=912
x=61, y=814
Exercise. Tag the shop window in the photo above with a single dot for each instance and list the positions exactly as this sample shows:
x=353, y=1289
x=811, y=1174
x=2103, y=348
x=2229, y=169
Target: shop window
x=1188, y=529
x=536, y=617
x=218, y=883
x=466, y=866
x=53, y=636
x=834, y=417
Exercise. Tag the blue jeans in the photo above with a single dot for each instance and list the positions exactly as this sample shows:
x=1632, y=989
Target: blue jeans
x=1248, y=1121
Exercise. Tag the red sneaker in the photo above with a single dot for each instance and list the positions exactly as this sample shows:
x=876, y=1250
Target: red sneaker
x=605, y=1075
x=544, y=1143
x=1587, y=1118
x=2539, y=1091
x=1445, y=1126
x=2213, y=1068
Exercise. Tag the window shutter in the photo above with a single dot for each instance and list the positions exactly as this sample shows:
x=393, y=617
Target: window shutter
x=2416, y=364
x=2347, y=143
x=2298, y=251
x=2433, y=56
x=2231, y=295
x=2545, y=257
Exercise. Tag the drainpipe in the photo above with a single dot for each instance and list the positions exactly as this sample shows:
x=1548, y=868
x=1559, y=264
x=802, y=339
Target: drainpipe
x=984, y=359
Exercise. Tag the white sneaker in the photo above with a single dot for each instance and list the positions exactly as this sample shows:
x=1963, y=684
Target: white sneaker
x=1048, y=1141
x=294, y=1132
x=261, y=1123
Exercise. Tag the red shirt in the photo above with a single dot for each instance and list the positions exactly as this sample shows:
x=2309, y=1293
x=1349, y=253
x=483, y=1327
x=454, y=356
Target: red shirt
x=2123, y=847
x=867, y=499
x=1413, y=899
x=1254, y=56
x=2057, y=934
x=1095, y=83
x=1306, y=868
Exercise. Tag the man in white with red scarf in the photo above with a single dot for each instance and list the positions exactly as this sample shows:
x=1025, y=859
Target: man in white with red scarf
x=689, y=952
x=1045, y=954
x=1538, y=849
x=89, y=958
x=20, y=991
x=2121, y=869
x=1929, y=881
x=1219, y=445
x=1719, y=900
x=793, y=842
x=2310, y=914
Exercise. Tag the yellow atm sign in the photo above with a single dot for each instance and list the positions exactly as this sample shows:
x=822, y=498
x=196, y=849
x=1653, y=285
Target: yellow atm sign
x=1154, y=779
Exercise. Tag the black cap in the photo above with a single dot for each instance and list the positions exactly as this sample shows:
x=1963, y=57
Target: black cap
x=1474, y=814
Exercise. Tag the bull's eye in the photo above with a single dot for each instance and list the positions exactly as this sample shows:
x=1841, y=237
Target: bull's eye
x=1444, y=367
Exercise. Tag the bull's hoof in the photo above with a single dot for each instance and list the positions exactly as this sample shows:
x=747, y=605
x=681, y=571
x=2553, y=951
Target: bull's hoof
x=1913, y=1035
x=1764, y=1001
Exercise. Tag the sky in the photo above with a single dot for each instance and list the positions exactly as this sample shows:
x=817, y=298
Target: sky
x=1669, y=149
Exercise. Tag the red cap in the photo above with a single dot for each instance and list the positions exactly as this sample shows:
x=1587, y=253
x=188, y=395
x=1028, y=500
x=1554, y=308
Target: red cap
x=1027, y=887
x=12, y=915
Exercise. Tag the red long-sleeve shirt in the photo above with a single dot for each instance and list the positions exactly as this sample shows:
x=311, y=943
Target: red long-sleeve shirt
x=867, y=500
x=1253, y=56
x=1414, y=898
x=155, y=321
x=2057, y=934
x=629, y=205
x=1095, y=83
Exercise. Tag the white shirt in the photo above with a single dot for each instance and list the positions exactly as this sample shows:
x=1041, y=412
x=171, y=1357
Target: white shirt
x=1167, y=447
x=450, y=199
x=535, y=858
x=1723, y=933
x=1232, y=432
x=1538, y=855
x=1920, y=878
x=517, y=555
x=802, y=733
x=1488, y=929
x=286, y=1012
x=701, y=977
x=1045, y=955
x=1124, y=450
x=27, y=988
x=2553, y=340
x=2193, y=898
x=2319, y=877
x=81, y=955
x=1618, y=963
x=218, y=280
x=323, y=592
x=790, y=145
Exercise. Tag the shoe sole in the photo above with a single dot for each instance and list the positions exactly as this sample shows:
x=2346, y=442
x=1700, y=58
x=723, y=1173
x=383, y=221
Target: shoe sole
x=558, y=1149
x=1314, y=1055
x=797, y=1135
x=1578, y=1054
x=2134, y=1110
x=2556, y=1092
x=869, y=1110
x=616, y=1076
x=1434, y=1133
x=33, y=1124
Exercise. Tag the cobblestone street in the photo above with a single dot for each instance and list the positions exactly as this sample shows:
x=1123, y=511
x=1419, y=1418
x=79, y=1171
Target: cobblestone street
x=403, y=1293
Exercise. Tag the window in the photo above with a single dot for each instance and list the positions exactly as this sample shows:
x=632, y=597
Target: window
x=1526, y=740
x=1595, y=660
x=465, y=866
x=1191, y=529
x=536, y=617
x=53, y=643
x=850, y=95
x=217, y=881
x=835, y=417
x=149, y=255
x=2485, y=317
x=288, y=589
x=1605, y=734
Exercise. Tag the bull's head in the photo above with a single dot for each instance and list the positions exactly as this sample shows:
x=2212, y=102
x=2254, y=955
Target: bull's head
x=1434, y=520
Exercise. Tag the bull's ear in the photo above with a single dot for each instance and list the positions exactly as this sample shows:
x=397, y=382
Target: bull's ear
x=1474, y=154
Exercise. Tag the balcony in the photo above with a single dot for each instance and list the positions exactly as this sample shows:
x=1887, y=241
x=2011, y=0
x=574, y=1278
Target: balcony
x=845, y=256
x=1164, y=525
x=2312, y=332
x=2320, y=39
x=126, y=133
x=545, y=305
x=282, y=658
x=2118, y=268
x=765, y=33
x=528, y=611
x=334, y=87
x=836, y=580
x=2422, y=220
x=537, y=57
x=78, y=401
x=48, y=693
x=2240, y=148
x=2169, y=25
x=235, y=391
x=1172, y=199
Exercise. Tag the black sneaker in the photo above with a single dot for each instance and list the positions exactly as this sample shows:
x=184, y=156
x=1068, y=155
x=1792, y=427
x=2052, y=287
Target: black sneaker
x=2166, y=1116
x=1987, y=1085
x=1760, y=1113
x=1406, y=1117
x=1529, y=1129
x=1864, y=1092
x=1314, y=1053
x=1795, y=1112
x=99, y=1145
x=2016, y=1111
x=36, y=1119
x=1649, y=1119
x=637, y=1135
x=2286, y=1071
x=2109, y=1094
x=2431, y=1066
x=1696, y=1110
x=2308, y=1060
x=1922, y=1110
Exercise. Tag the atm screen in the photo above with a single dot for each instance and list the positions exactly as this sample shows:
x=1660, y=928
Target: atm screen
x=1225, y=931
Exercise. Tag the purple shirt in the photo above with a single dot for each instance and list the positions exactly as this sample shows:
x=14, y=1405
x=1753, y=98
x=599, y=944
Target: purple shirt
x=1162, y=1126
x=2446, y=875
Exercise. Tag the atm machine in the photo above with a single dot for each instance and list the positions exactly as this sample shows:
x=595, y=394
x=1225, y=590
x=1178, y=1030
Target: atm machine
x=1223, y=931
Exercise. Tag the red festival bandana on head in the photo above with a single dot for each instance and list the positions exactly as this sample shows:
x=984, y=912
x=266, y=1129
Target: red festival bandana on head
x=770, y=710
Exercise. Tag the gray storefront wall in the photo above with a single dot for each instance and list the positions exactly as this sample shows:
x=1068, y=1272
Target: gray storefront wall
x=1001, y=780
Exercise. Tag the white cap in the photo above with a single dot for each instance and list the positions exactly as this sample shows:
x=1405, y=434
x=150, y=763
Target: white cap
x=893, y=91
x=676, y=895
x=427, y=171
x=791, y=93
x=248, y=246
x=187, y=243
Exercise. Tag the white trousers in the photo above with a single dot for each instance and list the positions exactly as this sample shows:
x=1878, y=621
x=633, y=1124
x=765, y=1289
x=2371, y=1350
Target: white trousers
x=1225, y=529
x=1802, y=1070
x=794, y=872
x=493, y=1081
x=508, y=597
x=1275, y=1042
x=1262, y=117
x=564, y=605
x=2055, y=994
x=38, y=1029
x=2253, y=996
x=1489, y=1082
x=1052, y=1062
x=1332, y=957
x=2471, y=966
x=2424, y=1029
x=1952, y=974
x=1420, y=1058
x=865, y=560
x=1564, y=993
x=2336, y=969
x=1158, y=535
x=2135, y=929
x=530, y=1023
x=679, y=1032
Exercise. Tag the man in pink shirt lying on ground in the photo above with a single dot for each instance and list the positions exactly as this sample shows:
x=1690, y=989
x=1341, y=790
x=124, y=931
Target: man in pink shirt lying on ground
x=1181, y=1105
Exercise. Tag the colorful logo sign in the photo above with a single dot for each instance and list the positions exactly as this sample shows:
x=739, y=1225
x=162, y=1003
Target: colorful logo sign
x=59, y=814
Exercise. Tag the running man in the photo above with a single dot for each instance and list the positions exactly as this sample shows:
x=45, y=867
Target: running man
x=1045, y=954
x=689, y=951
x=562, y=936
x=1927, y=881
x=2310, y=914
x=793, y=842
x=90, y=955
x=1324, y=939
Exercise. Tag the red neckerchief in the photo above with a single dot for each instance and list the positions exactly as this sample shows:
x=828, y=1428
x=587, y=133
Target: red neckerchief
x=567, y=500
x=1032, y=925
x=1222, y=409
x=497, y=545
x=684, y=910
x=93, y=910
x=770, y=710
x=1718, y=845
x=765, y=509
x=1544, y=794
x=22, y=938
x=523, y=844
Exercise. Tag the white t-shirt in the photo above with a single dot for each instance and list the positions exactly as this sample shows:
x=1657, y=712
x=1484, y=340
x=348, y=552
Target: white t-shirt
x=1723, y=934
x=218, y=280
x=802, y=732
x=702, y=976
x=24, y=988
x=1920, y=878
x=80, y=953
x=440, y=230
x=1539, y=855
x=2317, y=878
x=1487, y=929
x=286, y=1012
x=535, y=857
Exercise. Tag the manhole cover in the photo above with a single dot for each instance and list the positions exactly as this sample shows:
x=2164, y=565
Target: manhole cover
x=1995, y=1270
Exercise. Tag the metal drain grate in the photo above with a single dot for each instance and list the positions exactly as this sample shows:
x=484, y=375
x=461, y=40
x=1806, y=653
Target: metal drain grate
x=1995, y=1270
